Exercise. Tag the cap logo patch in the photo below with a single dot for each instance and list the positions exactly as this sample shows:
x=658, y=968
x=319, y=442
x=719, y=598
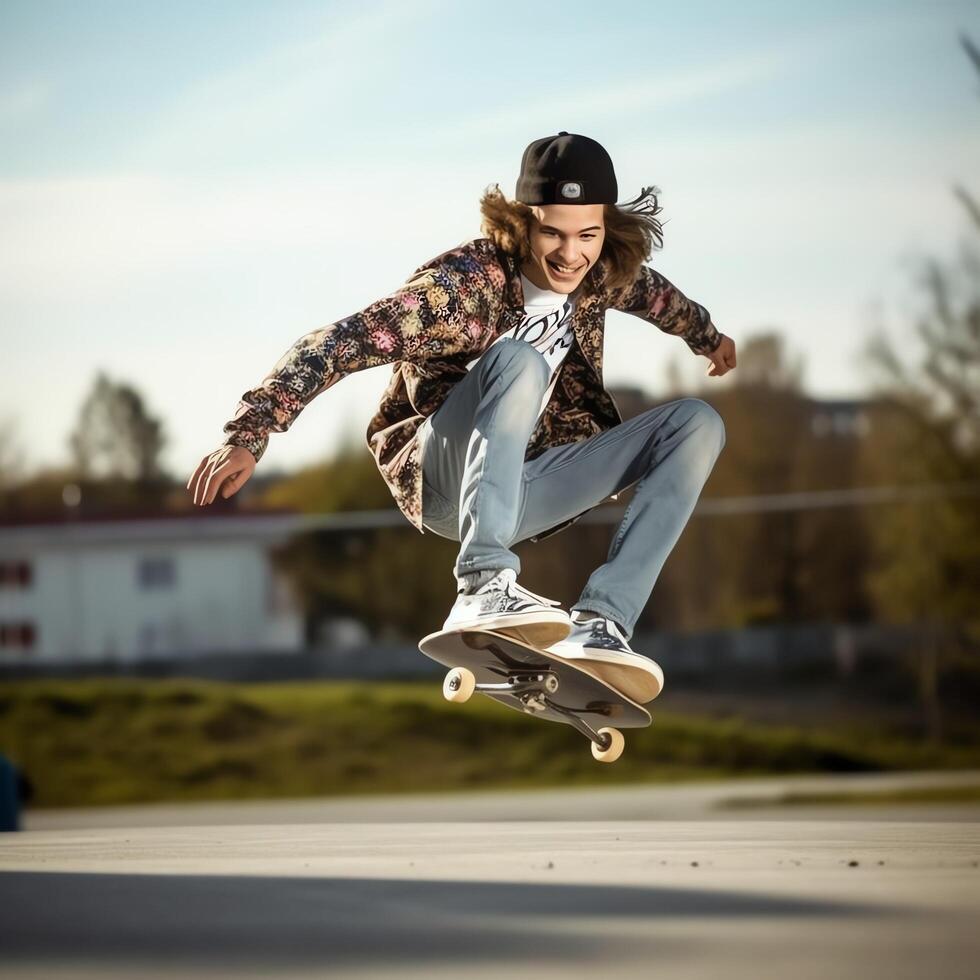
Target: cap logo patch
x=570, y=189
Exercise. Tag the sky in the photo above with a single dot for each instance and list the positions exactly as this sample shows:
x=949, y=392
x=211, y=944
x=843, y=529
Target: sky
x=188, y=188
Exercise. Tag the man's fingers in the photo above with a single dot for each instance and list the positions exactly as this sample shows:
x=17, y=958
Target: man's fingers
x=202, y=492
x=198, y=477
x=195, y=474
x=203, y=483
x=200, y=487
x=211, y=473
x=215, y=479
x=196, y=483
x=722, y=358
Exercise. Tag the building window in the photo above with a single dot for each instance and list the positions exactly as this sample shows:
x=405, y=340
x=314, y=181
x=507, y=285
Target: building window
x=16, y=575
x=156, y=572
x=18, y=636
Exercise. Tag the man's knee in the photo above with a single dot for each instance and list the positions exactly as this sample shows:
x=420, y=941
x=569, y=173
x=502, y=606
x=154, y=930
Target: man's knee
x=706, y=419
x=516, y=358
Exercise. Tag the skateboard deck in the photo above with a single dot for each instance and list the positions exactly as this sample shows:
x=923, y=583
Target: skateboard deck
x=535, y=682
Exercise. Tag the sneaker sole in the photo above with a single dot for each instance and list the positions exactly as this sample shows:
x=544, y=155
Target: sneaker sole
x=639, y=678
x=537, y=629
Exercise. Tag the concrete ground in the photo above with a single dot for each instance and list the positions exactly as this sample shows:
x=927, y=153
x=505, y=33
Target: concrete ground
x=626, y=882
x=717, y=800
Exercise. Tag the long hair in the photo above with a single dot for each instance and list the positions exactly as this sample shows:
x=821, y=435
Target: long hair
x=633, y=231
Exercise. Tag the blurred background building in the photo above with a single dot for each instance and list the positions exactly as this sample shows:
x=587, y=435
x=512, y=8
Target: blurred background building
x=128, y=590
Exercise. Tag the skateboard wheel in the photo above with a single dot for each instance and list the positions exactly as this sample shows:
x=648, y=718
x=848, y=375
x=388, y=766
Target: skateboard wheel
x=613, y=750
x=458, y=685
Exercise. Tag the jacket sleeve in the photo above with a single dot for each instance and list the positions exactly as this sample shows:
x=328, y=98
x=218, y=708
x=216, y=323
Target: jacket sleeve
x=423, y=318
x=655, y=299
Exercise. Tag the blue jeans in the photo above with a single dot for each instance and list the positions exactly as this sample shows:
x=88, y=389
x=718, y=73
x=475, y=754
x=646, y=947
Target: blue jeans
x=478, y=490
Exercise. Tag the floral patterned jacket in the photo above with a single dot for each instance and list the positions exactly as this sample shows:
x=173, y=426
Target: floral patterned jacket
x=449, y=311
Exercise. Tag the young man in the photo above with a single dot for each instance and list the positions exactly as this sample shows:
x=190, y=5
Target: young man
x=495, y=426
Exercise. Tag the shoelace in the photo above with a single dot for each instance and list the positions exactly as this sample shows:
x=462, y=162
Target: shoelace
x=511, y=587
x=533, y=595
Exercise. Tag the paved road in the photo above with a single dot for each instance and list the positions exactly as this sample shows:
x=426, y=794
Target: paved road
x=741, y=897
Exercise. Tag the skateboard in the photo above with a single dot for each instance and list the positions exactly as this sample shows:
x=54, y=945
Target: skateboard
x=534, y=682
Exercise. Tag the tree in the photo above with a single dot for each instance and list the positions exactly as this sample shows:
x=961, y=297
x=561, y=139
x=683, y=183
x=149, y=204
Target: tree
x=347, y=481
x=115, y=435
x=928, y=555
x=767, y=423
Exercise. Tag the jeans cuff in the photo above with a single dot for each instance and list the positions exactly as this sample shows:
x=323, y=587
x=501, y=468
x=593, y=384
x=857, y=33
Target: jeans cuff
x=484, y=564
x=494, y=566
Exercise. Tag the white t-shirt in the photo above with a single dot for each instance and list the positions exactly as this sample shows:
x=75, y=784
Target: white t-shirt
x=546, y=325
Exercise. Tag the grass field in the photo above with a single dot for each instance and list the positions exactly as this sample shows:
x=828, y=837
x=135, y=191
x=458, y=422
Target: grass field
x=106, y=741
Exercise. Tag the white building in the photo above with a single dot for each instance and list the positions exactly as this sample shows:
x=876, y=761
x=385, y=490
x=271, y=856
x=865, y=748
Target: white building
x=131, y=589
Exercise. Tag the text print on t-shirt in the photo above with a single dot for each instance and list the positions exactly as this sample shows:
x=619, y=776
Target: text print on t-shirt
x=545, y=325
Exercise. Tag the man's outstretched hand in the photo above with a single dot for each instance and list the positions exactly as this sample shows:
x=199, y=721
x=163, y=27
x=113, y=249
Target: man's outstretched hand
x=226, y=470
x=722, y=358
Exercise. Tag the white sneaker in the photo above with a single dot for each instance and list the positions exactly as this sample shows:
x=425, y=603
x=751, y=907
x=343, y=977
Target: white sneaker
x=600, y=644
x=506, y=607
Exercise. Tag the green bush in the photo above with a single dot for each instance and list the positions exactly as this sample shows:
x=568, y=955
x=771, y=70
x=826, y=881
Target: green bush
x=112, y=740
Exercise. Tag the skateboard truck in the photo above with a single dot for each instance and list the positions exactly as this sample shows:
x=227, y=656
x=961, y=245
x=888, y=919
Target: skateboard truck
x=532, y=690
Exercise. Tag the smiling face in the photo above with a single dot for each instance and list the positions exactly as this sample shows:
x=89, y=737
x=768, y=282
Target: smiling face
x=568, y=235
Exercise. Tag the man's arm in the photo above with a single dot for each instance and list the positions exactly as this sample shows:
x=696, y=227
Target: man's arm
x=655, y=299
x=422, y=318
